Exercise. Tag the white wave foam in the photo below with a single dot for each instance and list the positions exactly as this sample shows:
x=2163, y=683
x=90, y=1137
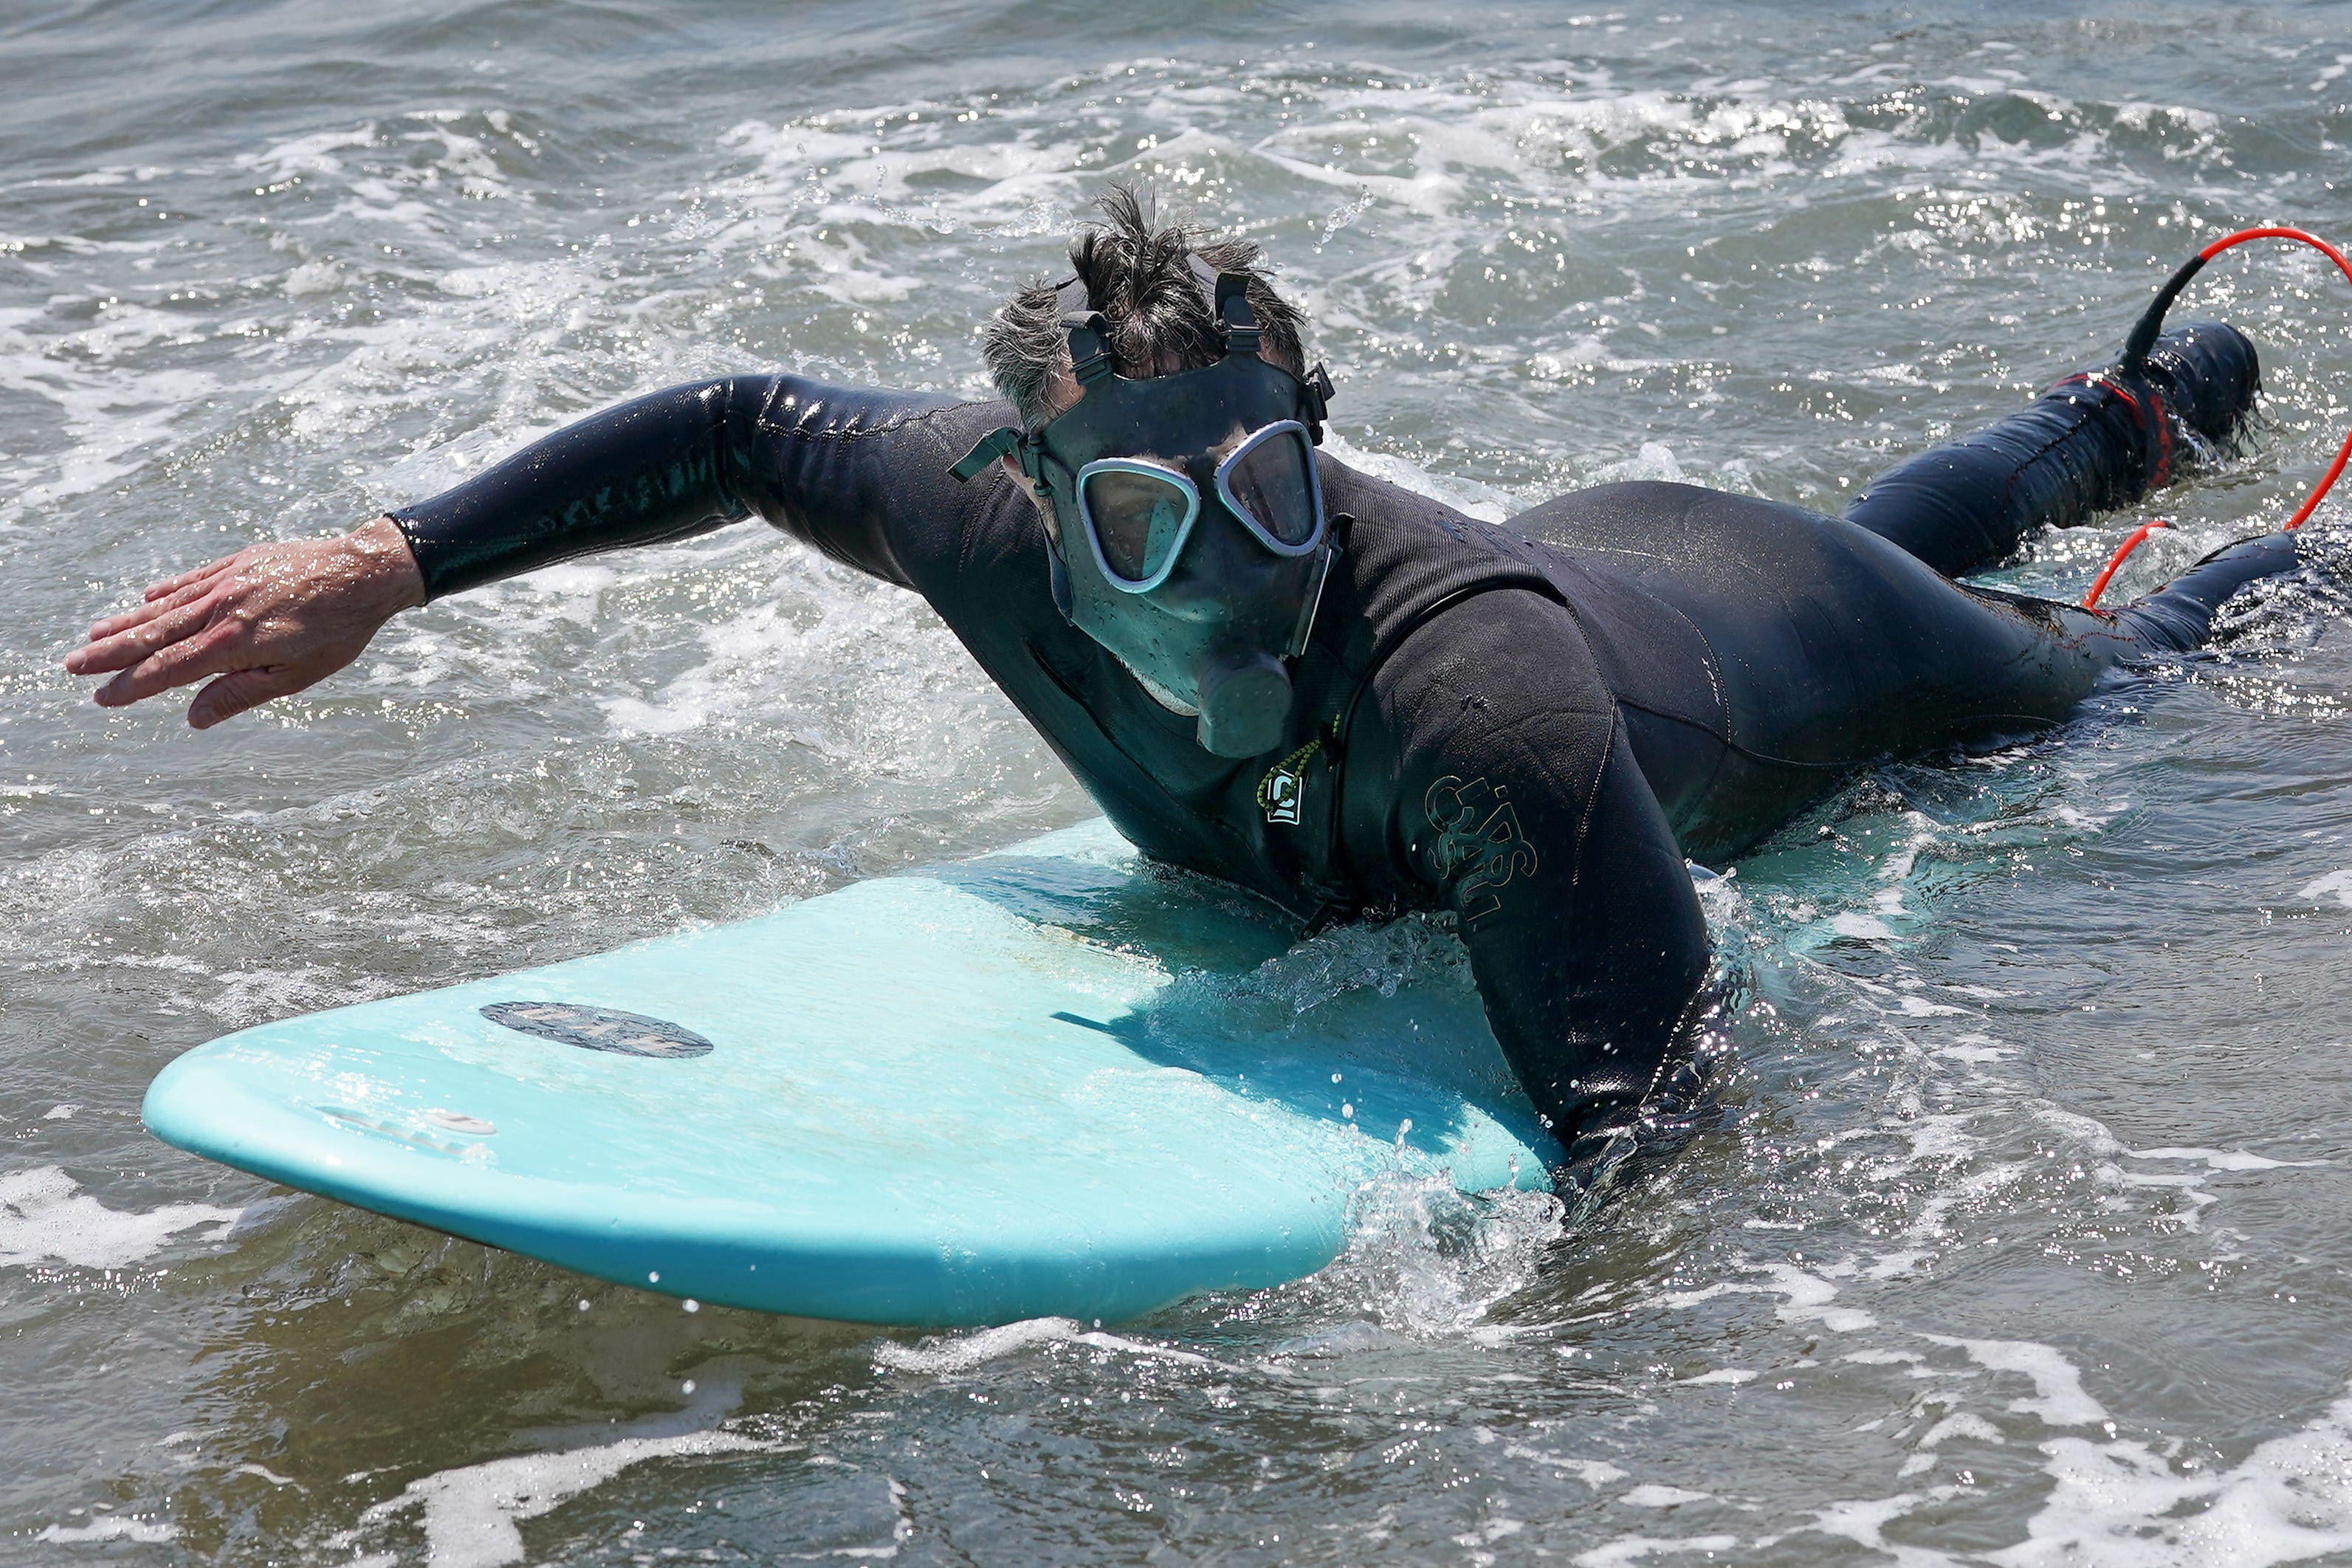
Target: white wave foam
x=2122, y=1505
x=1485, y=502
x=112, y=1526
x=1594, y=1473
x=472, y=1515
x=1805, y=1298
x=2335, y=884
x=948, y=1354
x=1634, y=1548
x=962, y=1352
x=2058, y=1400
x=1654, y=461
x=45, y=1216
x=2114, y=1504
x=1430, y=1261
x=2112, y=1172
x=2219, y=1159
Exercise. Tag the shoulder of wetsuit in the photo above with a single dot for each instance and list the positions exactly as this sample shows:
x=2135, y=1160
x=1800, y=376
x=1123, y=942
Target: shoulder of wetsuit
x=819, y=410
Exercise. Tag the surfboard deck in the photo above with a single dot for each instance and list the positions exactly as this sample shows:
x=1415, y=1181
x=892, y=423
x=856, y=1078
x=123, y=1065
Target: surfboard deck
x=1055, y=1079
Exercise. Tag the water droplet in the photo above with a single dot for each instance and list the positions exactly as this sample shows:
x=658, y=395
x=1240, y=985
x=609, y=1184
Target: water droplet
x=654, y=1279
x=583, y=1306
x=692, y=1305
x=1347, y=1111
x=689, y=1385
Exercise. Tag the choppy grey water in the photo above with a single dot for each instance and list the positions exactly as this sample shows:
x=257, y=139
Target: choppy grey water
x=2028, y=1235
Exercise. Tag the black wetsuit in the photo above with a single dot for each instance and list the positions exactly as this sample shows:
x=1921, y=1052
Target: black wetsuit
x=1531, y=724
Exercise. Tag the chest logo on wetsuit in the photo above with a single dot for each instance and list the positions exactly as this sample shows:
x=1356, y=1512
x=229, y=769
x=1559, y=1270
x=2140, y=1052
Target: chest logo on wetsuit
x=1478, y=834
x=1282, y=791
x=1280, y=794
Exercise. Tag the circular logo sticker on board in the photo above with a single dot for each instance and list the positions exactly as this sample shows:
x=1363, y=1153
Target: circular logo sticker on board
x=599, y=1028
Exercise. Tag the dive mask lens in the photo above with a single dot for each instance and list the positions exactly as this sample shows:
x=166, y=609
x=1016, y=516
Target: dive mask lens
x=1137, y=517
x=1270, y=482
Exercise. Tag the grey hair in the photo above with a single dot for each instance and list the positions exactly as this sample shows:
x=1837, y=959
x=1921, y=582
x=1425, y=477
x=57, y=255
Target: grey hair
x=1161, y=321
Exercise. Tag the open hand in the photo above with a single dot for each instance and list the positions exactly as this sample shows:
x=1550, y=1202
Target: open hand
x=265, y=622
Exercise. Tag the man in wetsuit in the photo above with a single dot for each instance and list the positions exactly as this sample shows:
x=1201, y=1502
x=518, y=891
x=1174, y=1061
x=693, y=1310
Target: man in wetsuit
x=1273, y=669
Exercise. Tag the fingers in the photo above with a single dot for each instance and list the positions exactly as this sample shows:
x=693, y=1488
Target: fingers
x=212, y=651
x=239, y=689
x=125, y=649
x=149, y=611
x=197, y=574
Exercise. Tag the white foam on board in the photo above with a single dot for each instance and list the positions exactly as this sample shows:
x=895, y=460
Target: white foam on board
x=45, y=1216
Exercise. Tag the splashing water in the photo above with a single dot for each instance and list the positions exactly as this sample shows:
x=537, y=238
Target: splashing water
x=2021, y=1234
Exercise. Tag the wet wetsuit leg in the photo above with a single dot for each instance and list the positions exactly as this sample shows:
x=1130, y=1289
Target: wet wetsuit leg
x=2180, y=615
x=2092, y=442
x=1762, y=652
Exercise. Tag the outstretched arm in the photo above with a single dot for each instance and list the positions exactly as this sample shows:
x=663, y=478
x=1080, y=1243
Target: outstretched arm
x=1518, y=796
x=859, y=474
x=852, y=470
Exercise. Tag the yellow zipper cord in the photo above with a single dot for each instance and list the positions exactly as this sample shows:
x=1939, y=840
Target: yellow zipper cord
x=1289, y=764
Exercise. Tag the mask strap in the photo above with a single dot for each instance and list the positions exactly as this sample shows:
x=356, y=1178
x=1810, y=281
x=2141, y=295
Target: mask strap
x=1089, y=334
x=1229, y=296
x=1315, y=393
x=986, y=451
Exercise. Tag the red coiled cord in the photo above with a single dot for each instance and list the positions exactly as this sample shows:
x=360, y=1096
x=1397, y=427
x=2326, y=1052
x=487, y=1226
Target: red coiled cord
x=2143, y=337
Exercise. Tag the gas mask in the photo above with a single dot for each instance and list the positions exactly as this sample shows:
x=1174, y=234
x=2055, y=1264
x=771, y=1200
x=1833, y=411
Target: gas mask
x=1189, y=537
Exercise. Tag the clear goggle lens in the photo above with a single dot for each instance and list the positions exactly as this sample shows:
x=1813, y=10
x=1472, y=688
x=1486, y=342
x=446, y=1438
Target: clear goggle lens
x=1138, y=513
x=1139, y=516
x=1269, y=481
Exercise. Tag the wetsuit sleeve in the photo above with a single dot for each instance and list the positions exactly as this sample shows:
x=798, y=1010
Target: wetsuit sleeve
x=1520, y=802
x=859, y=474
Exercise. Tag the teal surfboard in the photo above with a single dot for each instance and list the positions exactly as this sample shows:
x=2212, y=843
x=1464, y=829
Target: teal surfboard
x=1055, y=1079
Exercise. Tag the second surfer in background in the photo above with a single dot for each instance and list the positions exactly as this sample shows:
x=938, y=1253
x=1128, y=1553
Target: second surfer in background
x=1271, y=669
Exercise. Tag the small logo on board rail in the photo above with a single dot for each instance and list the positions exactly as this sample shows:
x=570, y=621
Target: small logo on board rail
x=599, y=1028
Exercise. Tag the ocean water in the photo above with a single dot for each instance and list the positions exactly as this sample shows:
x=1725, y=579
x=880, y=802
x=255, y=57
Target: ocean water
x=2025, y=1235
